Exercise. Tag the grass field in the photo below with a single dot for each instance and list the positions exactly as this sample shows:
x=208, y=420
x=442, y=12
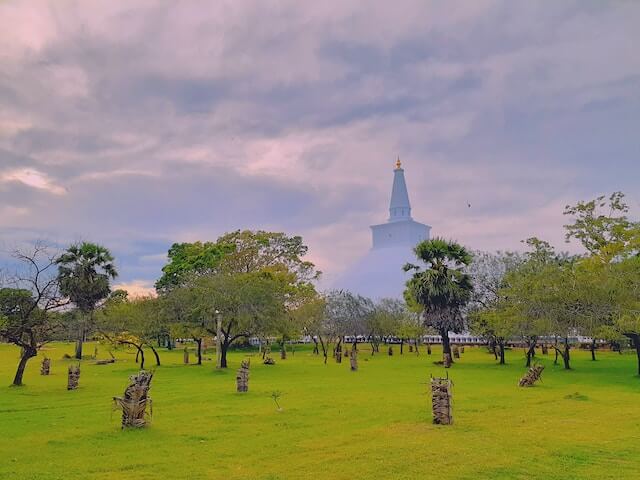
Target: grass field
x=335, y=424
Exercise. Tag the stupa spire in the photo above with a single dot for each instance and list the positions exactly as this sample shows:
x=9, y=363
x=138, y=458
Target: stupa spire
x=399, y=207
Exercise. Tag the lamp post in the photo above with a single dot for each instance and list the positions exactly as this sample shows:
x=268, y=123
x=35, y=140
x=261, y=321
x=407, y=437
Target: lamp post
x=218, y=339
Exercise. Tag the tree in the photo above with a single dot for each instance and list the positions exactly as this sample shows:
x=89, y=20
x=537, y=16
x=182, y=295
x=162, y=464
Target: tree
x=603, y=228
x=345, y=315
x=133, y=322
x=485, y=308
x=542, y=295
x=495, y=324
x=626, y=282
x=182, y=310
x=84, y=273
x=311, y=318
x=253, y=251
x=245, y=302
x=241, y=251
x=188, y=259
x=27, y=307
x=442, y=288
x=394, y=320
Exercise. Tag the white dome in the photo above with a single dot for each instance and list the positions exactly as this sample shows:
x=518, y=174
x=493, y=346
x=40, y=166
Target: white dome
x=379, y=273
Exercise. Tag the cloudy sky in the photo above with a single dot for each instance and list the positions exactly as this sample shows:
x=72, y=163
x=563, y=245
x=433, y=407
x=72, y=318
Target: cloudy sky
x=138, y=124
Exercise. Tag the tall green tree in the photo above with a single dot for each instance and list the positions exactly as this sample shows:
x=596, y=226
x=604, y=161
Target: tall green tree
x=85, y=271
x=253, y=251
x=441, y=288
x=241, y=251
x=247, y=303
x=188, y=259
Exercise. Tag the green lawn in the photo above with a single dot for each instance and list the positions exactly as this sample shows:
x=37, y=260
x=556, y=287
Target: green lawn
x=336, y=424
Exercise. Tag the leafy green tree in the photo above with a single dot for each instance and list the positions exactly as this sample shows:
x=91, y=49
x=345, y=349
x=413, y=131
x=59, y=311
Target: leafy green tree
x=28, y=303
x=294, y=296
x=626, y=282
x=253, y=251
x=497, y=325
x=441, y=289
x=185, y=316
x=310, y=316
x=485, y=308
x=603, y=227
x=241, y=251
x=134, y=323
x=394, y=320
x=189, y=259
x=605, y=231
x=84, y=273
x=245, y=302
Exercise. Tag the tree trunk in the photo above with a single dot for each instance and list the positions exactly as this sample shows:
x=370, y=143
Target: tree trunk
x=501, y=347
x=531, y=351
x=315, y=346
x=564, y=353
x=635, y=339
x=137, y=355
x=324, y=349
x=401, y=346
x=417, y=343
x=199, y=343
x=26, y=355
x=141, y=352
x=283, y=350
x=155, y=352
x=224, y=346
x=593, y=349
x=566, y=357
x=446, y=345
x=79, y=347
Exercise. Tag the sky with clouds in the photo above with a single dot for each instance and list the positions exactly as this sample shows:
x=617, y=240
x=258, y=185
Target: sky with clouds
x=139, y=124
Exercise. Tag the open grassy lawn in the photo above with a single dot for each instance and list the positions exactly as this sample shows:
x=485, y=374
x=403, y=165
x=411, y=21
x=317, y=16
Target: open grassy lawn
x=335, y=424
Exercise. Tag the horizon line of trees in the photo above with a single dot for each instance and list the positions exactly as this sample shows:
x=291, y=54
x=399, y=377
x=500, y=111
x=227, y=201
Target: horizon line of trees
x=258, y=284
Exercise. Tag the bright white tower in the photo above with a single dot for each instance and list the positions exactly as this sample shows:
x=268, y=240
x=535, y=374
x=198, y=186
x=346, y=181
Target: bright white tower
x=379, y=273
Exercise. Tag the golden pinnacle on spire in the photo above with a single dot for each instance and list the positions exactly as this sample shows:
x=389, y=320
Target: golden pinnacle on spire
x=398, y=163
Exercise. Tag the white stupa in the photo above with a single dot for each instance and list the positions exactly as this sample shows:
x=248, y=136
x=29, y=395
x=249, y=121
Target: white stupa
x=379, y=273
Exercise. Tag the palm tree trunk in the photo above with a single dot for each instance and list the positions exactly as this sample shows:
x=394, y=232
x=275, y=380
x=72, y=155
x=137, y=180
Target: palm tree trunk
x=446, y=344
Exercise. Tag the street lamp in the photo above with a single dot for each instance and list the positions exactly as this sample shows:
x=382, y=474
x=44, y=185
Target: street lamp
x=218, y=338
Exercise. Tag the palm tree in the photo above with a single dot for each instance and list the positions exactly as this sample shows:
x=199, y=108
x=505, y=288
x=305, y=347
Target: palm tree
x=84, y=273
x=441, y=289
